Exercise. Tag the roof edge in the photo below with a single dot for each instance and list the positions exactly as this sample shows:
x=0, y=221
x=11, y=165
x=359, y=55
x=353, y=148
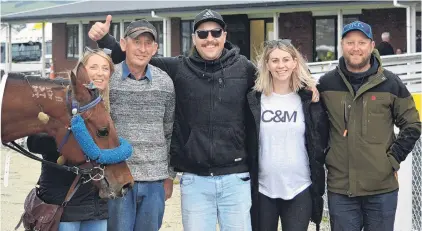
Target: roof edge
x=45, y=8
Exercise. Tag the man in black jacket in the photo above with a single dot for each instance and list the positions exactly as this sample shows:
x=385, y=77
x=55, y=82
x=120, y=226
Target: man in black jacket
x=208, y=141
x=385, y=47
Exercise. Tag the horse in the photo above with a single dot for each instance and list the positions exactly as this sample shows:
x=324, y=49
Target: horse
x=32, y=105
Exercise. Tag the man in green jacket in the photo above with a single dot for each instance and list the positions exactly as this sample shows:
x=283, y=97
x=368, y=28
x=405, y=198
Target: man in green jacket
x=364, y=102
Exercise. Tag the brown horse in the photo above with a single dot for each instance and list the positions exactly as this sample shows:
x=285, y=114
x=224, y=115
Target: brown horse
x=25, y=97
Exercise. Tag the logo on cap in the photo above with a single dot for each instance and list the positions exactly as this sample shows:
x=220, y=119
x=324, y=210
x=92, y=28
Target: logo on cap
x=358, y=25
x=208, y=14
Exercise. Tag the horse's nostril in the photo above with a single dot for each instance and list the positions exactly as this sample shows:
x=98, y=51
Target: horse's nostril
x=127, y=186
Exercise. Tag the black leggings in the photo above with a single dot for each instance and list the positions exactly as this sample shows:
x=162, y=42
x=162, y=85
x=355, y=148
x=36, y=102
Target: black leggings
x=295, y=214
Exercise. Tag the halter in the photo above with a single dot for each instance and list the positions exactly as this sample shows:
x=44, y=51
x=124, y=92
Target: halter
x=76, y=110
x=91, y=150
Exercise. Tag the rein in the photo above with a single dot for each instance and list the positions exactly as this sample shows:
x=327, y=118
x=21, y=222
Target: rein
x=75, y=169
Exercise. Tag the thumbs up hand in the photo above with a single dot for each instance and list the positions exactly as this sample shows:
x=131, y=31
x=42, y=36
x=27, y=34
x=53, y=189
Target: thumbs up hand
x=99, y=29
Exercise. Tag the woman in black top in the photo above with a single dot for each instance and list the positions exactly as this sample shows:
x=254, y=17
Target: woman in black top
x=86, y=210
x=287, y=142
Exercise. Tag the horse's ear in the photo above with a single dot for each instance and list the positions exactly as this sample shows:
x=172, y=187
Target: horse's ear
x=79, y=77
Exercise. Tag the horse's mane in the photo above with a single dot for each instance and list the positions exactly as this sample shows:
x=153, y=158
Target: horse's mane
x=39, y=80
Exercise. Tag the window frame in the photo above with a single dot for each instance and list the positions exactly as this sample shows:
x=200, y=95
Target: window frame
x=336, y=42
x=75, y=30
x=191, y=23
x=315, y=18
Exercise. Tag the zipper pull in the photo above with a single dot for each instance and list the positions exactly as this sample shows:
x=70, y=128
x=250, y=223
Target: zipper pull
x=345, y=120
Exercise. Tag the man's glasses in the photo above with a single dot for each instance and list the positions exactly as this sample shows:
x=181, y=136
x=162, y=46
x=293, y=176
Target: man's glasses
x=203, y=34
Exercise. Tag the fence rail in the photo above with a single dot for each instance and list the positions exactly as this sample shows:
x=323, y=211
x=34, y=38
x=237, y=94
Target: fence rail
x=406, y=66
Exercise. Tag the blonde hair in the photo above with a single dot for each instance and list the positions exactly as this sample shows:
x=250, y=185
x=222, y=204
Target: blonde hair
x=300, y=76
x=84, y=60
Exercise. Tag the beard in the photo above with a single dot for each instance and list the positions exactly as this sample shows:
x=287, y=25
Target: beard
x=360, y=65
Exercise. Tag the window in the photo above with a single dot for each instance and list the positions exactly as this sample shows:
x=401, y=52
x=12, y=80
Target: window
x=86, y=39
x=186, y=33
x=349, y=19
x=3, y=53
x=269, y=28
x=325, y=39
x=159, y=27
x=22, y=52
x=48, y=48
x=72, y=41
x=115, y=30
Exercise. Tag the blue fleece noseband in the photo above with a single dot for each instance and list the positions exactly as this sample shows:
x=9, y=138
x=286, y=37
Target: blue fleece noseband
x=90, y=148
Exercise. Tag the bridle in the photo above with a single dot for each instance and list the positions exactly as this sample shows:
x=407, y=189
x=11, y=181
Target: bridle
x=90, y=170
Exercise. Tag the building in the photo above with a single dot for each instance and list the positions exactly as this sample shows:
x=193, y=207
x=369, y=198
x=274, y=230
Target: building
x=313, y=26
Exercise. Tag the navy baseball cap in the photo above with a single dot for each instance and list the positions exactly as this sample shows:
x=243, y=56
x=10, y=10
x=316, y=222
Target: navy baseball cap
x=360, y=26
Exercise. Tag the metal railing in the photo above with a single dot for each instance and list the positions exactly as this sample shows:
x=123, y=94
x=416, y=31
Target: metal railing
x=406, y=66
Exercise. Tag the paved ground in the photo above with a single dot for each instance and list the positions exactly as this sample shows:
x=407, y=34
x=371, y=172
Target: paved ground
x=23, y=176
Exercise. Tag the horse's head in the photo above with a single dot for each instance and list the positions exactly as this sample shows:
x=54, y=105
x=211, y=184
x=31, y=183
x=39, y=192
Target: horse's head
x=117, y=178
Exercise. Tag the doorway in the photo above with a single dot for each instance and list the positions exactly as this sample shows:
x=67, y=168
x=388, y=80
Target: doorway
x=261, y=30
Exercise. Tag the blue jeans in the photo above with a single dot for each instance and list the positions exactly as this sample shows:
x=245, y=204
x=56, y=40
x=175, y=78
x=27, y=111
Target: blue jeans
x=373, y=213
x=97, y=225
x=206, y=199
x=142, y=208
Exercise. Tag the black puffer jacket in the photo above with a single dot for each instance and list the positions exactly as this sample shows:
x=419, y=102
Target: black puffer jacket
x=209, y=128
x=316, y=133
x=54, y=184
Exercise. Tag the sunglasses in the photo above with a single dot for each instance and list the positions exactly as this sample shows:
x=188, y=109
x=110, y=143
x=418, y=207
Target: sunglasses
x=215, y=33
x=105, y=50
x=278, y=42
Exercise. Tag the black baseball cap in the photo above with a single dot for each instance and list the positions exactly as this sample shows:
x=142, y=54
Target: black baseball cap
x=207, y=16
x=135, y=28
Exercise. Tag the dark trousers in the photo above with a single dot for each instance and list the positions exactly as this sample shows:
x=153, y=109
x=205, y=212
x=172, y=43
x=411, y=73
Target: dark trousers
x=295, y=214
x=373, y=213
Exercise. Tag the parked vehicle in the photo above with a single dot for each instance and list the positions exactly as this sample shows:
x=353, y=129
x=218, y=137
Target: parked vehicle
x=27, y=50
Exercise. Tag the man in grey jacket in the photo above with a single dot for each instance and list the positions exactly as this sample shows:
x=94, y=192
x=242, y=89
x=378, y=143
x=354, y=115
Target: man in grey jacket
x=142, y=101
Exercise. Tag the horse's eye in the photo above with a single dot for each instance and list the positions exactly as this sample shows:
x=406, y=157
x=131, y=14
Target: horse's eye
x=103, y=132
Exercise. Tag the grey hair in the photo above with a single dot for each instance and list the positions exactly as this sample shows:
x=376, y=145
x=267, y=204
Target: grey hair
x=385, y=36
